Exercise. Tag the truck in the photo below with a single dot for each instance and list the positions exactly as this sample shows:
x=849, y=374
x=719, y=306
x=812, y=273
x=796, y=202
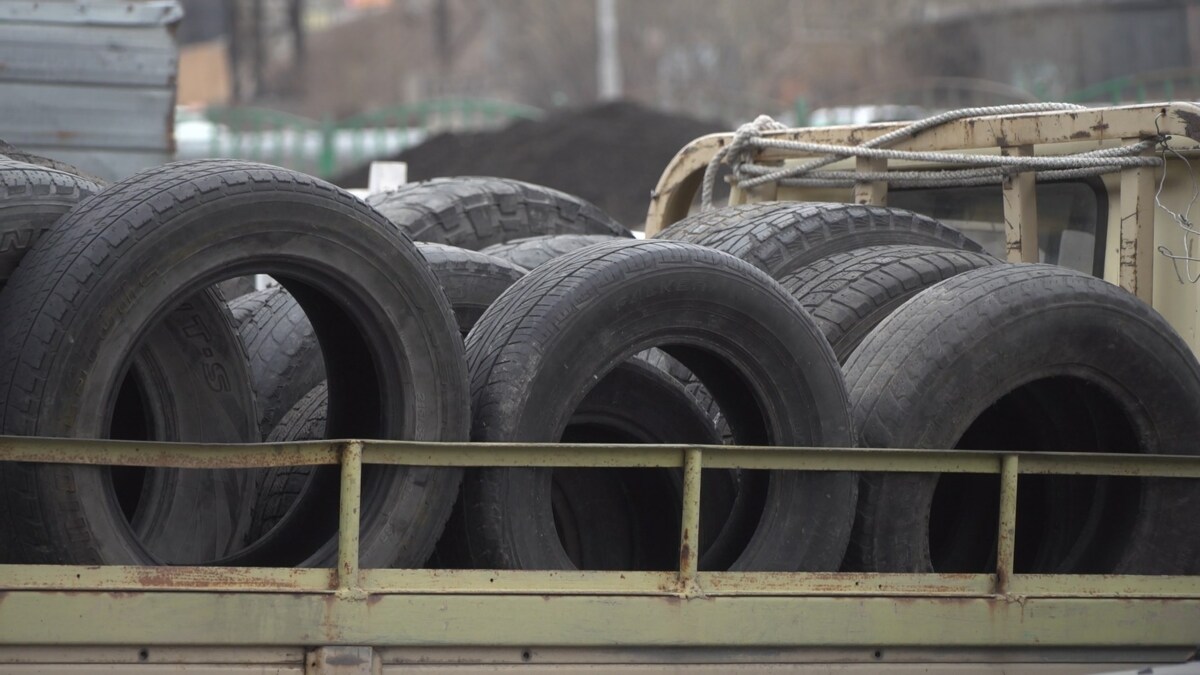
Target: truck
x=1117, y=209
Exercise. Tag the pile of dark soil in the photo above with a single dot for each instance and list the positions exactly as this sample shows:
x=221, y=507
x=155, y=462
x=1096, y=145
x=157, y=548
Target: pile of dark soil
x=611, y=155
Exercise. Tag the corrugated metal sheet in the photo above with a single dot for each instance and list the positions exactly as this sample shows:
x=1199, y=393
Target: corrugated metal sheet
x=91, y=83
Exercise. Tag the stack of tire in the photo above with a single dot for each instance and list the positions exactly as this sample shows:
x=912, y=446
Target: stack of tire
x=524, y=314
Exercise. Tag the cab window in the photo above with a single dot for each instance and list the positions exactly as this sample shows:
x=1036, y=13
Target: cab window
x=1072, y=219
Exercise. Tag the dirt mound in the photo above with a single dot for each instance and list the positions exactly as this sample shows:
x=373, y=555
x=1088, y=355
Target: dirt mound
x=612, y=154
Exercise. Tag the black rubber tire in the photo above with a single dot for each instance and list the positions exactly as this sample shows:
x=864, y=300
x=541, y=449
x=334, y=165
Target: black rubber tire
x=850, y=293
x=280, y=488
x=17, y=155
x=622, y=519
x=536, y=352
x=122, y=259
x=1032, y=357
x=531, y=252
x=245, y=305
x=781, y=237
x=287, y=366
x=173, y=512
x=471, y=280
x=476, y=212
x=285, y=357
x=32, y=199
x=629, y=519
x=636, y=402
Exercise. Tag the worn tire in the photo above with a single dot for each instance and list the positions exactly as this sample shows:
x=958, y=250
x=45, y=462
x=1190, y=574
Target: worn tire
x=476, y=212
x=285, y=357
x=850, y=293
x=531, y=252
x=122, y=258
x=471, y=280
x=18, y=155
x=245, y=305
x=637, y=403
x=288, y=369
x=280, y=489
x=171, y=511
x=32, y=199
x=1026, y=357
x=781, y=237
x=537, y=350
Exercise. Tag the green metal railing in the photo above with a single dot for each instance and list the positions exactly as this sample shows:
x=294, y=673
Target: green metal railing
x=350, y=605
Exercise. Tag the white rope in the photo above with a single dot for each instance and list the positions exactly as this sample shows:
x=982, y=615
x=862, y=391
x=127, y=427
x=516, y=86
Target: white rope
x=748, y=139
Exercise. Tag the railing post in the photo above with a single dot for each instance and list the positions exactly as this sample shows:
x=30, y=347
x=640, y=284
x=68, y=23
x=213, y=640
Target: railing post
x=1006, y=542
x=348, y=518
x=689, y=537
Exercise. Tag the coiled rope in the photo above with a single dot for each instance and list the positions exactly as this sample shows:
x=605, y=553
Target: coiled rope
x=987, y=169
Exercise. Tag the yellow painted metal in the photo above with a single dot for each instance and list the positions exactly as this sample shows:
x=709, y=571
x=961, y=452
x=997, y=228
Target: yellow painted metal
x=1137, y=232
x=420, y=453
x=521, y=454
x=71, y=605
x=1007, y=539
x=680, y=180
x=348, y=517
x=689, y=538
x=177, y=455
x=871, y=192
x=288, y=619
x=1020, y=210
x=131, y=578
x=109, y=579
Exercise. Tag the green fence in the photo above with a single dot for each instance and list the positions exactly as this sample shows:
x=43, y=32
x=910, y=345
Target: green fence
x=328, y=148
x=1164, y=85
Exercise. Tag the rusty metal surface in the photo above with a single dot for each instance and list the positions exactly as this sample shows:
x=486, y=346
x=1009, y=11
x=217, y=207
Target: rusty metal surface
x=69, y=605
x=91, y=84
x=131, y=578
x=419, y=453
x=177, y=455
x=66, y=618
x=261, y=661
x=680, y=180
x=595, y=583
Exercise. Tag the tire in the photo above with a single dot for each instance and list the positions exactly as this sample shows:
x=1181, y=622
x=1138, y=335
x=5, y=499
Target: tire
x=280, y=488
x=850, y=293
x=532, y=252
x=537, y=350
x=629, y=519
x=476, y=212
x=32, y=199
x=622, y=409
x=782, y=237
x=17, y=155
x=172, y=512
x=471, y=280
x=285, y=357
x=245, y=305
x=288, y=368
x=1026, y=357
x=121, y=259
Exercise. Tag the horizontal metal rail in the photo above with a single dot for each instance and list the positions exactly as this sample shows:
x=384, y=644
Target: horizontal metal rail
x=359, y=594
